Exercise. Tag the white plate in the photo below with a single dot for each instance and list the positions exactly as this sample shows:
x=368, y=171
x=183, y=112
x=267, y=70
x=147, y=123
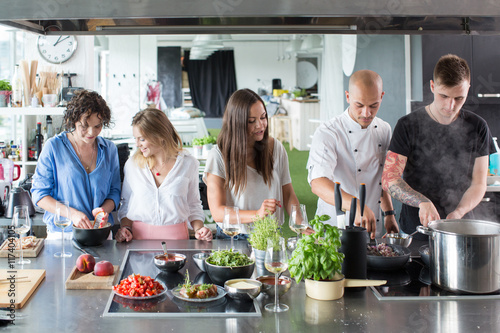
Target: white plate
x=144, y=297
x=220, y=293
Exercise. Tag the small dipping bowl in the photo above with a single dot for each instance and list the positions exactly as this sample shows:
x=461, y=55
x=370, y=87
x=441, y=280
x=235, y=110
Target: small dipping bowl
x=199, y=260
x=242, y=289
x=399, y=239
x=173, y=263
x=284, y=284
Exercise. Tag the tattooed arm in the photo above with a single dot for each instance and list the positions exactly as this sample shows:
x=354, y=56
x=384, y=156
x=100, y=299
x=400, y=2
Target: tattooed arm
x=393, y=183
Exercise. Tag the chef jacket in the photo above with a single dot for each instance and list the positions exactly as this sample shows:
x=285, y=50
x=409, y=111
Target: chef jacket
x=344, y=152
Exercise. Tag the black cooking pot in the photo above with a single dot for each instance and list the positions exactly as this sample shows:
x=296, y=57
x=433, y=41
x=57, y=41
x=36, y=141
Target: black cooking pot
x=91, y=237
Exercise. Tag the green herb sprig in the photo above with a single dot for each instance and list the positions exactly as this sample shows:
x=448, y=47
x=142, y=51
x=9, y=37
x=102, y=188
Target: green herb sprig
x=5, y=85
x=316, y=256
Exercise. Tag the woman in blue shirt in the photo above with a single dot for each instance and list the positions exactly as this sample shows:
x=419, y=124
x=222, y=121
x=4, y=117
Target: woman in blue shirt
x=78, y=166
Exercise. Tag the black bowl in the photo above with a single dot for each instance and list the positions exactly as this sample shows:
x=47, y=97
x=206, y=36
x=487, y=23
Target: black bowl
x=220, y=274
x=91, y=237
x=174, y=263
x=425, y=254
x=389, y=263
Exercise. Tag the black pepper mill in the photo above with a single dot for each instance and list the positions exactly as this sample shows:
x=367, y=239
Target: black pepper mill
x=354, y=248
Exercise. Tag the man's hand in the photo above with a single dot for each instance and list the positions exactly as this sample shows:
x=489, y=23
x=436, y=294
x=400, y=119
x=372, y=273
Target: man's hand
x=427, y=213
x=369, y=222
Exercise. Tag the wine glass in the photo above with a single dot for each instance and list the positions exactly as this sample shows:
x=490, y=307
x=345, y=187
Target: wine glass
x=231, y=225
x=298, y=219
x=62, y=219
x=276, y=262
x=22, y=224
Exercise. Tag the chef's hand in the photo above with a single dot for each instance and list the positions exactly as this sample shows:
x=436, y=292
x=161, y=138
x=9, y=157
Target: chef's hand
x=103, y=216
x=123, y=234
x=308, y=231
x=427, y=213
x=454, y=215
x=268, y=207
x=203, y=233
x=390, y=224
x=369, y=222
x=80, y=220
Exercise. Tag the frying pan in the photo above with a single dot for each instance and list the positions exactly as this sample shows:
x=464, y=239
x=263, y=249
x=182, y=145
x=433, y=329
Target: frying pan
x=332, y=290
x=389, y=263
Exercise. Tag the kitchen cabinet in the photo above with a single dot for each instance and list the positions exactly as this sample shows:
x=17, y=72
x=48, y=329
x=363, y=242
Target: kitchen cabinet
x=29, y=117
x=303, y=115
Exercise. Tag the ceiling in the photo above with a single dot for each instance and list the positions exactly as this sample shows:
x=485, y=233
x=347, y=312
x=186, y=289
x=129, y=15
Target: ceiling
x=115, y=17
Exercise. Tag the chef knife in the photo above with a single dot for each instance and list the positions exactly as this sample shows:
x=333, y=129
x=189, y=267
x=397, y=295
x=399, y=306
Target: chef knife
x=362, y=199
x=352, y=213
x=79, y=246
x=338, y=199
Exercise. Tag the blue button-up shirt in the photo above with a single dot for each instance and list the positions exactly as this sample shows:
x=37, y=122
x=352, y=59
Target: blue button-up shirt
x=60, y=174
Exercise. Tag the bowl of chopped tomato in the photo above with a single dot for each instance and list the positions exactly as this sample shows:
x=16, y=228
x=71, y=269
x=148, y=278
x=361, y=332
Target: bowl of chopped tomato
x=136, y=286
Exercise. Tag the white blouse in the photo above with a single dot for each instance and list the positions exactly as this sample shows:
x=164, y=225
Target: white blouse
x=256, y=190
x=177, y=199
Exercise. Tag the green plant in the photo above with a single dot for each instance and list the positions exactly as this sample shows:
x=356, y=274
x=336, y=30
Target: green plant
x=197, y=142
x=5, y=85
x=206, y=140
x=316, y=256
x=263, y=229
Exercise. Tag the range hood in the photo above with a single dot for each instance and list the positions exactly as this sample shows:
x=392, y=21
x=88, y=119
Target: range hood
x=114, y=17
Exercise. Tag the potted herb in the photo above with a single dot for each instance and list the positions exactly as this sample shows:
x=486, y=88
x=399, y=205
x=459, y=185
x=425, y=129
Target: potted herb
x=208, y=142
x=198, y=147
x=263, y=229
x=317, y=256
x=5, y=92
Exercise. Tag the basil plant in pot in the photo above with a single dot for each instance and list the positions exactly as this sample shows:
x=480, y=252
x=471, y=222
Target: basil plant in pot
x=317, y=259
x=263, y=229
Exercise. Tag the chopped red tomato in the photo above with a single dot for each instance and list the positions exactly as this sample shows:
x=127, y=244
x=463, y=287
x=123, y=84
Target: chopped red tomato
x=138, y=286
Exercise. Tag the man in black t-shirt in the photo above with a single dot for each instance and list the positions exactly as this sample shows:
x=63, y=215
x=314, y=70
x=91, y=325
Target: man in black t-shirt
x=437, y=161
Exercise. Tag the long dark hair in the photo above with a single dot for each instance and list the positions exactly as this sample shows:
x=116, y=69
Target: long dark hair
x=233, y=139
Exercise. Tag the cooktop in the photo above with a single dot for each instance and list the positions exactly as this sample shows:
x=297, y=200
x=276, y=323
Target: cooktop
x=413, y=282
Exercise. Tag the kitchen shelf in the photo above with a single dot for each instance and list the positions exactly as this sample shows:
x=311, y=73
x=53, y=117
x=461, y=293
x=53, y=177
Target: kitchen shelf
x=29, y=117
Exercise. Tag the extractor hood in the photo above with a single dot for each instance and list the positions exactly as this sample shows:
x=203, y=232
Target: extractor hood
x=112, y=17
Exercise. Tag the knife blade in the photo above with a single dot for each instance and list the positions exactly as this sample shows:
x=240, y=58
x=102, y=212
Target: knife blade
x=79, y=246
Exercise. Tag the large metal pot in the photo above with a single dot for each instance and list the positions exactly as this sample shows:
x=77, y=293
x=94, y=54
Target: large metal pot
x=465, y=255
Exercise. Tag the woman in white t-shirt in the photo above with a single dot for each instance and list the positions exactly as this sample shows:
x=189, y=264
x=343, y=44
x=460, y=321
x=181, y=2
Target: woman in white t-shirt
x=160, y=193
x=247, y=168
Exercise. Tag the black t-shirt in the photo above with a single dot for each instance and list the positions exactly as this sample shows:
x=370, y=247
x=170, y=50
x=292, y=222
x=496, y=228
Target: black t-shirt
x=440, y=158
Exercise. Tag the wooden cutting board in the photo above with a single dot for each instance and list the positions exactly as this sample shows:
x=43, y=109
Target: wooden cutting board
x=22, y=290
x=79, y=280
x=32, y=252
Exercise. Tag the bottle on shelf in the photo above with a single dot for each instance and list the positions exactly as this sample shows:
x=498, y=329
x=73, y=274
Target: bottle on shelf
x=39, y=140
x=17, y=88
x=50, y=128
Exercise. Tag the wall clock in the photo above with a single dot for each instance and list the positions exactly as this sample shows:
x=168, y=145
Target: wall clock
x=56, y=49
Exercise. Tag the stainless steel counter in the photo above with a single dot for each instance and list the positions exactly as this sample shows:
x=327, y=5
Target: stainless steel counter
x=54, y=308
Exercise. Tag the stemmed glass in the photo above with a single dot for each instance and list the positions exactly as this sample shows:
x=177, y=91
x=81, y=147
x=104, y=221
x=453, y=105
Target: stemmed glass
x=298, y=219
x=276, y=262
x=22, y=224
x=231, y=225
x=62, y=219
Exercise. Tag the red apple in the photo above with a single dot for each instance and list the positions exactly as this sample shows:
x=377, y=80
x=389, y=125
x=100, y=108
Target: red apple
x=85, y=263
x=104, y=268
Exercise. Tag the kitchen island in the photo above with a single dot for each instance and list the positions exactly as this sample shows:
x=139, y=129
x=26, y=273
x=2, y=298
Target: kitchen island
x=53, y=308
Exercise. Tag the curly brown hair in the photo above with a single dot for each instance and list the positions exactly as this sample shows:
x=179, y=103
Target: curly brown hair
x=82, y=106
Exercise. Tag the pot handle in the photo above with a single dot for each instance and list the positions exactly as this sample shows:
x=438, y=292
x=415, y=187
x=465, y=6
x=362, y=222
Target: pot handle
x=424, y=230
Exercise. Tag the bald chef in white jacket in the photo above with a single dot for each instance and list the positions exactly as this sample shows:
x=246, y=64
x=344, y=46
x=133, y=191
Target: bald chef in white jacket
x=350, y=149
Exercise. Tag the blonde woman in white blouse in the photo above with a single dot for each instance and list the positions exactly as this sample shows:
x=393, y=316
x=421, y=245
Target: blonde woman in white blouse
x=160, y=193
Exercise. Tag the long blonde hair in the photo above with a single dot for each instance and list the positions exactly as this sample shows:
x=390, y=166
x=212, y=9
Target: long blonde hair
x=159, y=131
x=233, y=138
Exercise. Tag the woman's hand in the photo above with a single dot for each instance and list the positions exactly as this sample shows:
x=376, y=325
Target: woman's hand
x=268, y=207
x=203, y=233
x=104, y=216
x=123, y=234
x=80, y=220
